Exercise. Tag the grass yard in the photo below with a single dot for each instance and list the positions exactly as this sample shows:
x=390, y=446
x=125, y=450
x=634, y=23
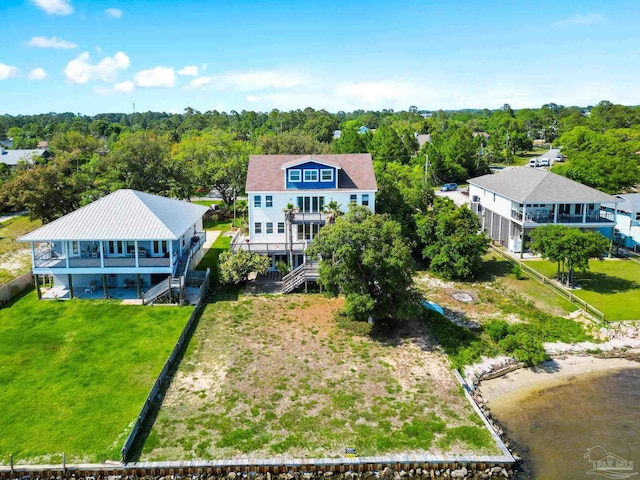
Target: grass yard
x=75, y=374
x=15, y=258
x=612, y=286
x=285, y=376
x=210, y=259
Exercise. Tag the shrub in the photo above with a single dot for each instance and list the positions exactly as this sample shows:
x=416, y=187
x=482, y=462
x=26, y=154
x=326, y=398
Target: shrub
x=497, y=330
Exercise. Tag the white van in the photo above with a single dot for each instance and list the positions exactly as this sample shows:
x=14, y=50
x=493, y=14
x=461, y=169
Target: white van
x=534, y=162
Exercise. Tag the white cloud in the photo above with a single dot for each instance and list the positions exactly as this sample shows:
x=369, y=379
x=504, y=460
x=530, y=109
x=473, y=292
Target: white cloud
x=7, y=71
x=55, y=7
x=156, y=77
x=376, y=93
x=253, y=98
x=123, y=87
x=580, y=19
x=190, y=70
x=37, y=74
x=80, y=69
x=198, y=83
x=250, y=81
x=113, y=12
x=53, y=42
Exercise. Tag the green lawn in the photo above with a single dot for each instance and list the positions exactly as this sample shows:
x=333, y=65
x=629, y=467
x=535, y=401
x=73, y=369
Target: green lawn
x=612, y=286
x=75, y=374
x=210, y=259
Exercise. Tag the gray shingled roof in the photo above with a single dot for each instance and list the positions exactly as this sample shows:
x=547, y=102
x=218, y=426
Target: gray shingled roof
x=11, y=157
x=630, y=202
x=122, y=215
x=533, y=185
x=356, y=171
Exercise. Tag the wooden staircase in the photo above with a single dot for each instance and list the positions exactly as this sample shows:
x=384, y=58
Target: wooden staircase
x=307, y=272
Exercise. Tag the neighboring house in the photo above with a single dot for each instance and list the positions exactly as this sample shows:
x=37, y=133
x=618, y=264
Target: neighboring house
x=514, y=202
x=627, y=232
x=485, y=135
x=364, y=129
x=126, y=239
x=12, y=157
x=308, y=183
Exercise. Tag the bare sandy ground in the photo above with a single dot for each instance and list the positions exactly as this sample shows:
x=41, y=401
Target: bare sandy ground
x=557, y=371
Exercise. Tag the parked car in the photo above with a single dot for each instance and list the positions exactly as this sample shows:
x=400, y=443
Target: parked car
x=534, y=162
x=544, y=162
x=449, y=187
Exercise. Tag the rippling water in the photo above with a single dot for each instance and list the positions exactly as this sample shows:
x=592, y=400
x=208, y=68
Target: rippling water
x=553, y=428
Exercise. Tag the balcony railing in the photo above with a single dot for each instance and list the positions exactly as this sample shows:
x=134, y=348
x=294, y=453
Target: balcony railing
x=53, y=260
x=308, y=217
x=591, y=217
x=269, y=248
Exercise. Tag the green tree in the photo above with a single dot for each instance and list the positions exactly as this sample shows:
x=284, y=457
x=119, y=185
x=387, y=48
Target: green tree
x=291, y=143
x=235, y=267
x=350, y=141
x=218, y=160
x=387, y=146
x=453, y=242
x=569, y=247
x=364, y=256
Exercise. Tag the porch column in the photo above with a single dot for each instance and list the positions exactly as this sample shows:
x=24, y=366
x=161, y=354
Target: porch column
x=37, y=279
x=33, y=256
x=70, y=278
x=555, y=213
x=65, y=250
x=101, y=254
x=104, y=285
x=524, y=213
x=138, y=290
x=135, y=246
x=170, y=253
x=524, y=232
x=584, y=212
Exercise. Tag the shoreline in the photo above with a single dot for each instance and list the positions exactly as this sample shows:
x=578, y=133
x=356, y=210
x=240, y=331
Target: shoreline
x=561, y=370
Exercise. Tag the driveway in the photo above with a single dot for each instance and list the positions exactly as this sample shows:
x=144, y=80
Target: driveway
x=459, y=197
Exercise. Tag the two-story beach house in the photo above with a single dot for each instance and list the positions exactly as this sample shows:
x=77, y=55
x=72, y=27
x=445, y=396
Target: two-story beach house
x=127, y=239
x=515, y=201
x=308, y=183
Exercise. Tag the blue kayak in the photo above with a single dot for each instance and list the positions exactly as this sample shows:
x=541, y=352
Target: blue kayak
x=433, y=306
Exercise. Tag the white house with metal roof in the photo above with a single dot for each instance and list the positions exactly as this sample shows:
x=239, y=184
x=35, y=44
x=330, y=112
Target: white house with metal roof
x=308, y=183
x=12, y=158
x=513, y=202
x=127, y=239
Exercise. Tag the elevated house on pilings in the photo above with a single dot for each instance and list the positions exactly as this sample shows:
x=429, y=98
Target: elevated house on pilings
x=128, y=244
x=513, y=203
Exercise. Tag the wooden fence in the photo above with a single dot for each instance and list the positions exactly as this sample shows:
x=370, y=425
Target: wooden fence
x=164, y=373
x=15, y=286
x=553, y=285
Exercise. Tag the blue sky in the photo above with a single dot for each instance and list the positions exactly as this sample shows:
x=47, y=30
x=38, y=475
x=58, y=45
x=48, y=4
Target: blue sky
x=92, y=56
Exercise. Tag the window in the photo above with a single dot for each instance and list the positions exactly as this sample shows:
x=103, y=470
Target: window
x=294, y=175
x=257, y=228
x=353, y=199
x=257, y=201
x=269, y=228
x=75, y=248
x=638, y=216
x=311, y=175
x=365, y=199
x=268, y=200
x=280, y=227
x=326, y=175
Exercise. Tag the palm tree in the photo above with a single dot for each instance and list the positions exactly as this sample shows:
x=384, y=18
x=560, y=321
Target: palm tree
x=333, y=211
x=289, y=216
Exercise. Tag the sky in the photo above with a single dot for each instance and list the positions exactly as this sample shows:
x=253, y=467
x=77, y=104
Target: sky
x=95, y=56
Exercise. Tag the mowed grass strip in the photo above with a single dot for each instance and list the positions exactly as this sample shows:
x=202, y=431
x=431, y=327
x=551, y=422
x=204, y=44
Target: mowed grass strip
x=612, y=286
x=287, y=376
x=75, y=374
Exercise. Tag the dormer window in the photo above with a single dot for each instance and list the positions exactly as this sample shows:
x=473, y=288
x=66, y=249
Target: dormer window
x=326, y=175
x=295, y=175
x=311, y=175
